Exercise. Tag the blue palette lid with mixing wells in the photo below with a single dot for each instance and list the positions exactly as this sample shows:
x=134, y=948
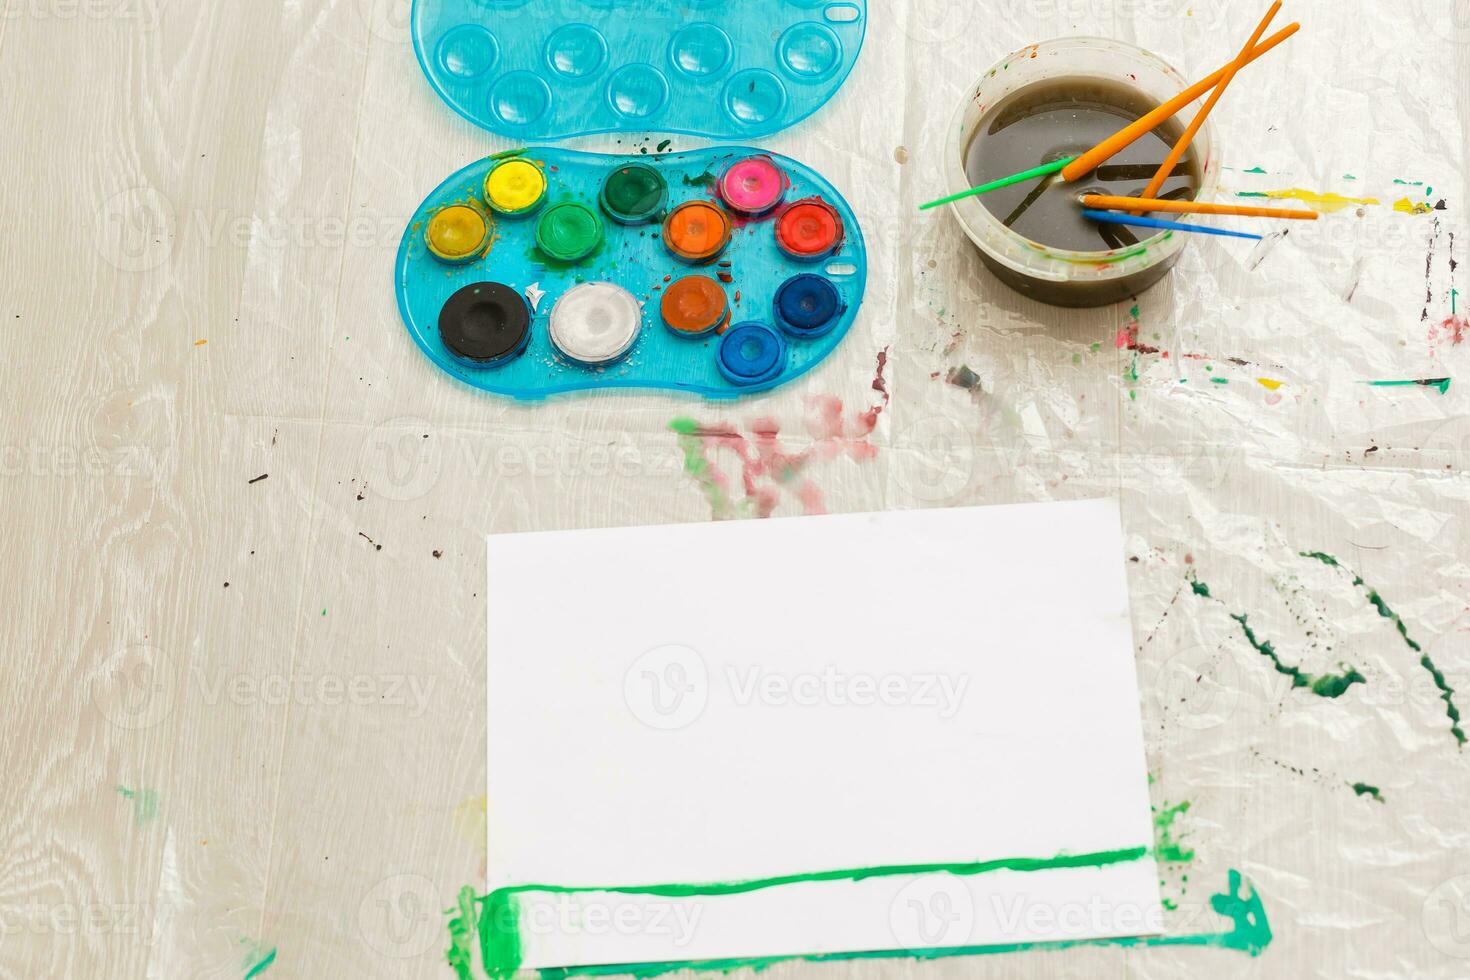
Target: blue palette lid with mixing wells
x=719, y=272
x=538, y=70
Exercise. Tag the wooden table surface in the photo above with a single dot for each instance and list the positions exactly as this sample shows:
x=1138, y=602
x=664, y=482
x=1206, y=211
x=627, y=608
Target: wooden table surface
x=242, y=519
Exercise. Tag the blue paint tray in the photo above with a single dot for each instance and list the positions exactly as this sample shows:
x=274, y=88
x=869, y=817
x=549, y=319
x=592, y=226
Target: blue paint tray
x=537, y=70
x=784, y=310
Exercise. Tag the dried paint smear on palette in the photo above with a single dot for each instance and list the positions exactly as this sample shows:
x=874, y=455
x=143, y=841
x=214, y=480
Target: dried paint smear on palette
x=719, y=272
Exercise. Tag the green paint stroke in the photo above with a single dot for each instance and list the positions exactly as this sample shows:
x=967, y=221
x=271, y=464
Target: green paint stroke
x=1322, y=685
x=1443, y=384
x=145, y=803
x=257, y=960
x=697, y=464
x=1446, y=693
x=1097, y=859
x=500, y=946
x=1363, y=789
x=1167, y=847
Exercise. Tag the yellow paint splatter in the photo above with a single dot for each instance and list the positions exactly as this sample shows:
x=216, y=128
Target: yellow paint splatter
x=1407, y=206
x=469, y=821
x=200, y=343
x=1325, y=202
x=1270, y=383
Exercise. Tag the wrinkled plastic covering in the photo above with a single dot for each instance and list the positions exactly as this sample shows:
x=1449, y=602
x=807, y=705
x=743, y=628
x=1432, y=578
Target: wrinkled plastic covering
x=284, y=777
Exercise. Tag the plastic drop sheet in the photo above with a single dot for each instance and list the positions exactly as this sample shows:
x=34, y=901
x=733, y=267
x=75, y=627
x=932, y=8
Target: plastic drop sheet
x=1285, y=425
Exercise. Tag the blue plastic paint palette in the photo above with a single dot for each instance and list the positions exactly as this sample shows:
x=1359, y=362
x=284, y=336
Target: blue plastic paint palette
x=547, y=270
x=542, y=70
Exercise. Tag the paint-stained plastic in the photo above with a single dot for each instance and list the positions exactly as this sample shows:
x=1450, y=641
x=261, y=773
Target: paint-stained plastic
x=540, y=71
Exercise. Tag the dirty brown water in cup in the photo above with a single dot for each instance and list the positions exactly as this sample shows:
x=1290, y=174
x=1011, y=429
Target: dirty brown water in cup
x=1065, y=117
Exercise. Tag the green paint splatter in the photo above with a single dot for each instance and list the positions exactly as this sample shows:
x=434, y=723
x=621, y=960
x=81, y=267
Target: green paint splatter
x=257, y=959
x=1255, y=170
x=1169, y=848
x=1322, y=685
x=1249, y=932
x=705, y=179
x=1446, y=693
x=1220, y=381
x=1363, y=789
x=461, y=952
x=145, y=803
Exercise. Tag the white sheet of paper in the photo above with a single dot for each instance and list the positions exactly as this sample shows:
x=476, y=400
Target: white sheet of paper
x=728, y=702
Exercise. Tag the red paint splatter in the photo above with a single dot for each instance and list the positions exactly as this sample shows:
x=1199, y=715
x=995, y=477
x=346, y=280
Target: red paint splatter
x=1451, y=328
x=1127, y=338
x=767, y=467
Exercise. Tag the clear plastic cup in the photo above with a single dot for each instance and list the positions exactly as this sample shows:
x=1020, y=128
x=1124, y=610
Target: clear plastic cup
x=1058, y=276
